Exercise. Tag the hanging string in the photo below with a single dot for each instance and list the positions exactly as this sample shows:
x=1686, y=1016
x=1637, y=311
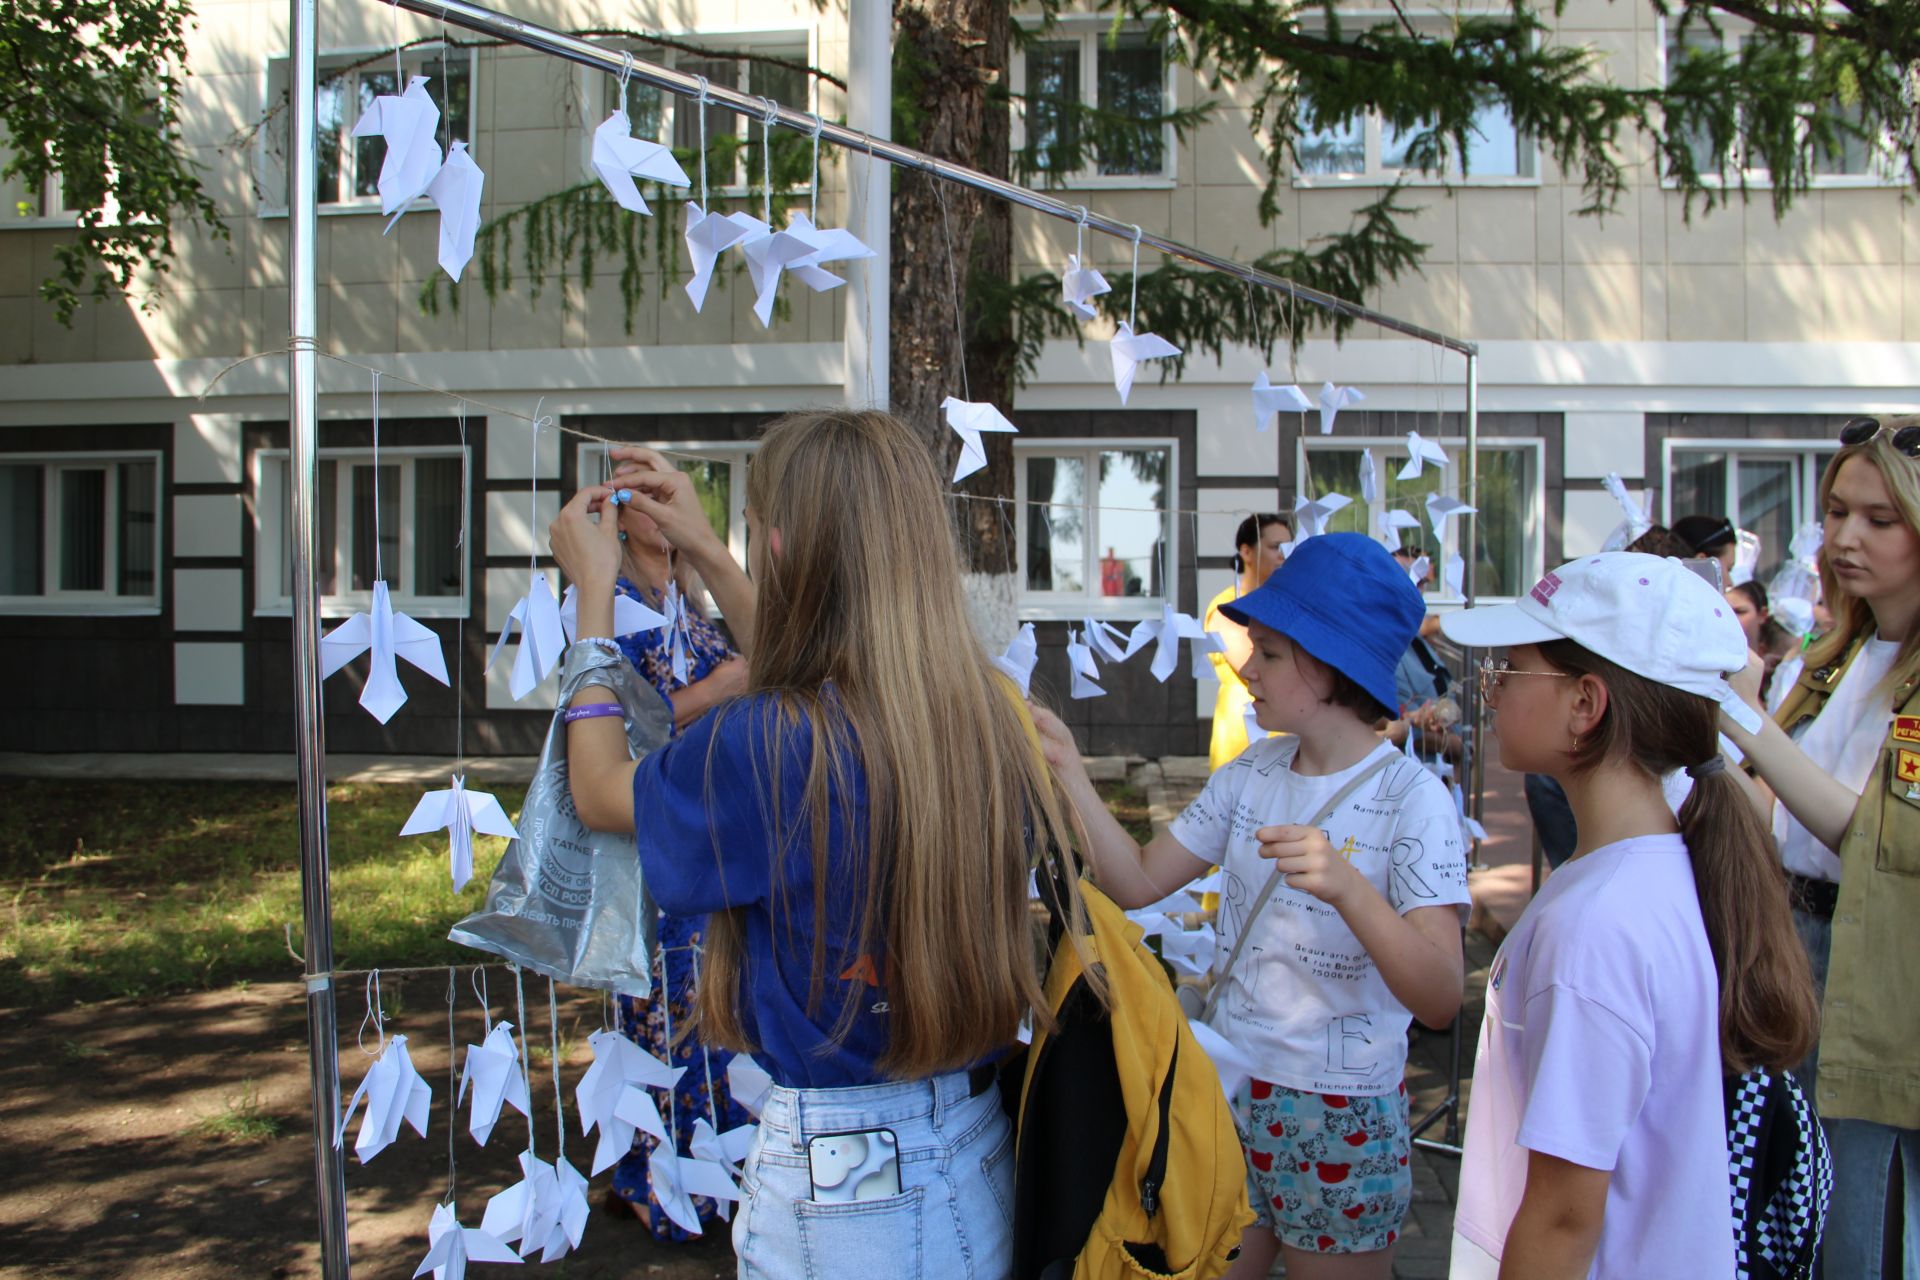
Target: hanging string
x=866, y=194
x=479, y=981
x=672, y=1143
x=767, y=122
x=706, y=1057
x=1134, y=301
x=953, y=283
x=533, y=470
x=460, y=623
x=1080, y=235
x=700, y=109
x=626, y=74
x=526, y=1068
x=399, y=72
x=453, y=1085
x=375, y=1015
x=559, y=1103
x=814, y=202
x=379, y=571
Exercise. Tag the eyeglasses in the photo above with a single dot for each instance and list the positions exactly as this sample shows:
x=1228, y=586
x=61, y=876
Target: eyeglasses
x=1861, y=430
x=1494, y=673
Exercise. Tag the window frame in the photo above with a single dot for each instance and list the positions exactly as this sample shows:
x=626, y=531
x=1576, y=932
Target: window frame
x=1055, y=606
x=1089, y=31
x=271, y=518
x=1806, y=494
x=1885, y=169
x=598, y=90
x=56, y=602
x=269, y=148
x=737, y=454
x=1533, y=550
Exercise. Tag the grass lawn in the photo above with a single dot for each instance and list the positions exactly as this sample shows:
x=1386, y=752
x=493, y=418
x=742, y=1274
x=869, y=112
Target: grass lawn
x=129, y=889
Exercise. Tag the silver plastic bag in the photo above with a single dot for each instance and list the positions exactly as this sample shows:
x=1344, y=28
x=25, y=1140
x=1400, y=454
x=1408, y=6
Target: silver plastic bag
x=567, y=901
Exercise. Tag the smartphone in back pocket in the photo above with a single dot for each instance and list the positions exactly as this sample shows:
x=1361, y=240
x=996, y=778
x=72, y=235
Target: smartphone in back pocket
x=847, y=1167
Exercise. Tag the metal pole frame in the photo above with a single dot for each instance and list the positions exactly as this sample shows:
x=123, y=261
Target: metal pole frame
x=303, y=417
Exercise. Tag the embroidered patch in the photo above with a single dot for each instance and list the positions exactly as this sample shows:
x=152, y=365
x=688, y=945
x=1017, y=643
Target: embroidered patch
x=1543, y=590
x=1907, y=766
x=1906, y=728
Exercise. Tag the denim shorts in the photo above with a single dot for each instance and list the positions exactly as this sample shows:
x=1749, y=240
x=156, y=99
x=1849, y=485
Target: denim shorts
x=953, y=1219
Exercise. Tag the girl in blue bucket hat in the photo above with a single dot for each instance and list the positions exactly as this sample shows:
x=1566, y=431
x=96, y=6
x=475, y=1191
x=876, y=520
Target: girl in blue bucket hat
x=1343, y=889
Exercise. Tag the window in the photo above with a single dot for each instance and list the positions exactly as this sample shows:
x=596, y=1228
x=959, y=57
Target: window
x=422, y=511
x=1511, y=554
x=719, y=474
x=80, y=530
x=665, y=117
x=1094, y=531
x=1121, y=75
x=349, y=167
x=1368, y=148
x=1768, y=488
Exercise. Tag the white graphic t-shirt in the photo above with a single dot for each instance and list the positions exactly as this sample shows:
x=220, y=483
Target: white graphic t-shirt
x=1304, y=1001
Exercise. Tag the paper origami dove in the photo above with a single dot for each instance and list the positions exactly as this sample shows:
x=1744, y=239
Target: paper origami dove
x=1023, y=651
x=1440, y=508
x=1369, y=478
x=1634, y=518
x=708, y=235
x=524, y=1211
x=1080, y=663
x=570, y=1214
x=677, y=1179
x=832, y=244
x=1310, y=515
x=726, y=1150
x=676, y=606
x=1105, y=639
x=767, y=256
x=1166, y=632
x=385, y=635
x=1129, y=349
x=492, y=1071
x=1270, y=400
x=542, y=638
x=451, y=1246
x=1389, y=524
x=748, y=1082
x=619, y=158
x=456, y=191
x=1332, y=400
x=1420, y=453
x=619, y=1067
x=1189, y=951
x=1419, y=569
x=461, y=812
x=1080, y=286
x=629, y=615
x=1454, y=573
x=393, y=1092
x=969, y=418
x=409, y=122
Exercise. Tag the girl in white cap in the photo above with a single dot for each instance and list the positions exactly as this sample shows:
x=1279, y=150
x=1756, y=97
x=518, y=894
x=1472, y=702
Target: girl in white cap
x=1655, y=962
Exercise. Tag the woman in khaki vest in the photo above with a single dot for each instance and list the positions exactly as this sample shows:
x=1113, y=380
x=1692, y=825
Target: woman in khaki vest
x=1841, y=776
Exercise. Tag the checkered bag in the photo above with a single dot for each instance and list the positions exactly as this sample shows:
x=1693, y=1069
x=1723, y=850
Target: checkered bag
x=1781, y=1173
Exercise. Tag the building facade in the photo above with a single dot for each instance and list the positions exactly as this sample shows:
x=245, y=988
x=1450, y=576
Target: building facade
x=144, y=570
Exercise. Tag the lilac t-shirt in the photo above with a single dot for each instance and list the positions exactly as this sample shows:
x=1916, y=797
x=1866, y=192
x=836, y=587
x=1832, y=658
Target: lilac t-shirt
x=1601, y=1046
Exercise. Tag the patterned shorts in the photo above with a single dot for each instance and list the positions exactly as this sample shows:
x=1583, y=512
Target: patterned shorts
x=1326, y=1173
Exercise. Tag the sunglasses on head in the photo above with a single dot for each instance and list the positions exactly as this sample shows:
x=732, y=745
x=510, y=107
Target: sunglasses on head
x=1906, y=439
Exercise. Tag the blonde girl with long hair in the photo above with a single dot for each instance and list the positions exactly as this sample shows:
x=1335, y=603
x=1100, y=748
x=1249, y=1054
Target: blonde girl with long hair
x=860, y=825
x=1842, y=757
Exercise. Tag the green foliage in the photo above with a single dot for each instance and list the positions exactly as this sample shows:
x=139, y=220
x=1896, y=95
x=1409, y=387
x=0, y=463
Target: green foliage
x=91, y=93
x=241, y=1119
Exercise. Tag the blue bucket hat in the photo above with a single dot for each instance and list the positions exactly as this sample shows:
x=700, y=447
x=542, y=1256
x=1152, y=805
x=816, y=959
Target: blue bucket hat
x=1344, y=599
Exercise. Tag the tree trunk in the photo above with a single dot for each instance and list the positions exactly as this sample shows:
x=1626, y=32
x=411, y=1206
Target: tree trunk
x=948, y=55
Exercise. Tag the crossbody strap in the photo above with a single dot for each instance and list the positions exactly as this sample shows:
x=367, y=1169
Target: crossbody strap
x=1327, y=810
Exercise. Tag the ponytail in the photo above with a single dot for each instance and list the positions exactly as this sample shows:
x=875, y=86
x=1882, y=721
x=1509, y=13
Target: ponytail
x=1769, y=1015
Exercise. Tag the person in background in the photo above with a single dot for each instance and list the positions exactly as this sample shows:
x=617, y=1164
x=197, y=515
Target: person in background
x=1842, y=761
x=1654, y=964
x=1749, y=601
x=1710, y=538
x=1256, y=553
x=1422, y=680
x=714, y=673
x=1113, y=575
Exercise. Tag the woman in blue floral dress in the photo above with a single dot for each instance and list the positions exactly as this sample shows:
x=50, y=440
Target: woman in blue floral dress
x=714, y=673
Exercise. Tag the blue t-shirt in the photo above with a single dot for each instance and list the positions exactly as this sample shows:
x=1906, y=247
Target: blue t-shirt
x=702, y=856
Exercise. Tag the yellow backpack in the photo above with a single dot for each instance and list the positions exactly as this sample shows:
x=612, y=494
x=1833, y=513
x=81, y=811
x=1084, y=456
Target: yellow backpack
x=1127, y=1162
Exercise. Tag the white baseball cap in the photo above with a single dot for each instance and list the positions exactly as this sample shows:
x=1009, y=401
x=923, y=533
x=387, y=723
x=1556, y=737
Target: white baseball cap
x=1652, y=616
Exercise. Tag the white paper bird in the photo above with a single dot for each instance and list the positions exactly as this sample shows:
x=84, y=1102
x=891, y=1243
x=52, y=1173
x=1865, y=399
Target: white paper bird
x=385, y=635
x=542, y=638
x=1419, y=454
x=1129, y=349
x=1270, y=400
x=1332, y=400
x=492, y=1072
x=409, y=122
x=393, y=1091
x=1441, y=508
x=629, y=615
x=526, y=1210
x=619, y=1066
x=619, y=158
x=1080, y=665
x=1310, y=515
x=1022, y=652
x=748, y=1082
x=1419, y=569
x=678, y=633
x=968, y=418
x=461, y=812
x=1389, y=523
x=724, y=1149
x=1369, y=478
x=767, y=256
x=456, y=192
x=1107, y=640
x=832, y=244
x=1454, y=573
x=1080, y=285
x=1635, y=518
x=451, y=1246
x=1189, y=951
x=571, y=1212
x=708, y=235
x=677, y=1179
x=1166, y=632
